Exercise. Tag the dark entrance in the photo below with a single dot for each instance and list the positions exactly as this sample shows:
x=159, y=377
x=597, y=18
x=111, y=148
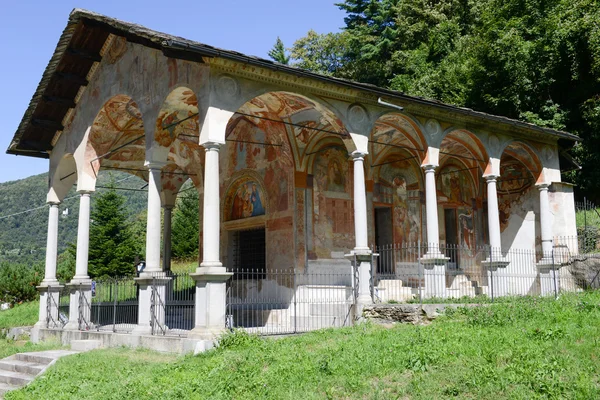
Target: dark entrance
x=384, y=237
x=249, y=255
x=451, y=236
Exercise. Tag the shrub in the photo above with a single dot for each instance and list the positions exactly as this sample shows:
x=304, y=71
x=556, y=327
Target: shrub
x=18, y=282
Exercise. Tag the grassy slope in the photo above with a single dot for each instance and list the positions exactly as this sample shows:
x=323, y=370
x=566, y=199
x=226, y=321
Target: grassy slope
x=25, y=314
x=529, y=349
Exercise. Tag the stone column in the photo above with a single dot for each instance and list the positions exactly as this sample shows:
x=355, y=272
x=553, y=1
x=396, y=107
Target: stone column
x=152, y=279
x=80, y=287
x=547, y=267
x=361, y=252
x=49, y=287
x=495, y=263
x=434, y=262
x=167, y=213
x=210, y=276
x=153, y=228
x=545, y=222
x=431, y=210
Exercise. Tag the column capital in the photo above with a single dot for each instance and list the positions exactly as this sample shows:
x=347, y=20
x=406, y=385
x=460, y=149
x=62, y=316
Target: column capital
x=154, y=164
x=491, y=177
x=358, y=155
x=429, y=167
x=542, y=186
x=168, y=207
x=85, y=192
x=53, y=203
x=212, y=146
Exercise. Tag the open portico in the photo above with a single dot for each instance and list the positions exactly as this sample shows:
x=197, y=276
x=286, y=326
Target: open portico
x=298, y=174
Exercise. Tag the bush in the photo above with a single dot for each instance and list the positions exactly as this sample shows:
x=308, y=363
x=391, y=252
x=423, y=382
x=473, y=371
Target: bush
x=18, y=282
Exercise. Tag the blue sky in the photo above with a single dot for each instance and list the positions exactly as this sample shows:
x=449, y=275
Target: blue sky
x=30, y=30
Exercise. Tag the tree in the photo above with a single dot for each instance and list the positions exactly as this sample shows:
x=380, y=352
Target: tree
x=112, y=247
x=278, y=53
x=185, y=232
x=324, y=54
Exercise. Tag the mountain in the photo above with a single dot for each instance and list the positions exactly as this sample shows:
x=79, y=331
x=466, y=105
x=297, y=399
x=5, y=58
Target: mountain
x=23, y=236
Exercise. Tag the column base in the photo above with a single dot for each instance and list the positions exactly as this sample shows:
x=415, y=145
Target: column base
x=79, y=287
x=496, y=283
x=210, y=307
x=434, y=274
x=145, y=282
x=49, y=317
x=548, y=271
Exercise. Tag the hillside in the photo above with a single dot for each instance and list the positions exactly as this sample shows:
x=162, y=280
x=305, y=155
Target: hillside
x=23, y=236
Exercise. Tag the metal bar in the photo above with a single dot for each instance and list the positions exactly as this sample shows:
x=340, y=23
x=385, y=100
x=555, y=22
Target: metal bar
x=396, y=145
x=251, y=142
x=118, y=148
x=459, y=156
x=394, y=161
x=66, y=176
x=458, y=170
x=292, y=124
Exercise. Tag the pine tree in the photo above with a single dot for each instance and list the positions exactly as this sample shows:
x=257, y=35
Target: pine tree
x=185, y=230
x=278, y=53
x=112, y=248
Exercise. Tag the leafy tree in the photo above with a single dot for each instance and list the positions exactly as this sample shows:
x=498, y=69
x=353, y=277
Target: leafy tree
x=278, y=53
x=185, y=232
x=324, y=54
x=112, y=247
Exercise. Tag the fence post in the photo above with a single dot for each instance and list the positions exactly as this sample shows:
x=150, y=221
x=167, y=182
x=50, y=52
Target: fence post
x=554, y=271
x=491, y=274
x=116, y=295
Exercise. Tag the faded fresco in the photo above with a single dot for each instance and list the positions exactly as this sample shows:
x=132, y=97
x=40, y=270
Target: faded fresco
x=398, y=185
x=244, y=200
x=515, y=180
x=332, y=202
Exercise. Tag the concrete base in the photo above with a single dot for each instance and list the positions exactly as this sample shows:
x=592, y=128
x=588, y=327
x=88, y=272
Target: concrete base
x=166, y=344
x=79, y=308
x=85, y=345
x=548, y=273
x=434, y=275
x=497, y=280
x=210, y=302
x=49, y=301
x=146, y=282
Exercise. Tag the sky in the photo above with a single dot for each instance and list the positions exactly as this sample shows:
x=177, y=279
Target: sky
x=31, y=30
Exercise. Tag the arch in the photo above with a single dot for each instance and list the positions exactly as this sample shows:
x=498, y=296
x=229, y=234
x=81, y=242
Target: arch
x=524, y=153
x=398, y=130
x=245, y=197
x=300, y=117
x=178, y=115
x=117, y=138
x=63, y=179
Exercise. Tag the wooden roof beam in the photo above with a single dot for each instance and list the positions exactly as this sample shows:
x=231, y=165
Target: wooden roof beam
x=76, y=79
x=63, y=101
x=47, y=124
x=82, y=53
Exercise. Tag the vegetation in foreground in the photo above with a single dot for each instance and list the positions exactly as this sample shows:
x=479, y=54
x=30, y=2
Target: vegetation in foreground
x=25, y=314
x=531, y=348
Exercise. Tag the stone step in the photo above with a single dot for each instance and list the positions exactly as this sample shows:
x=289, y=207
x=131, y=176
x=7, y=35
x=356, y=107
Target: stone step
x=15, y=378
x=43, y=357
x=24, y=367
x=5, y=387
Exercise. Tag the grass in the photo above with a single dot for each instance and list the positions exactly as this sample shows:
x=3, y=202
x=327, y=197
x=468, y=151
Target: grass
x=529, y=349
x=25, y=314
x=589, y=218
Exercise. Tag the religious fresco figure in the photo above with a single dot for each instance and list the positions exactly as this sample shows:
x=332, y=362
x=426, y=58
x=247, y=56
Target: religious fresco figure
x=246, y=201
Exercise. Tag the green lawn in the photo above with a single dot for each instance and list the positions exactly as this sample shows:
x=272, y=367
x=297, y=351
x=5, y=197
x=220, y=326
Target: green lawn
x=25, y=314
x=531, y=348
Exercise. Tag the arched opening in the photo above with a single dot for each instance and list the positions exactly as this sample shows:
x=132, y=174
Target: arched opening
x=518, y=199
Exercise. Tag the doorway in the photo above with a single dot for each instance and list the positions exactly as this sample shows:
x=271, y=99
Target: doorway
x=384, y=237
x=249, y=254
x=451, y=226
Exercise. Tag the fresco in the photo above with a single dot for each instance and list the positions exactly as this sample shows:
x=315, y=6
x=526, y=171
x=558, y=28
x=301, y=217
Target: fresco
x=514, y=182
x=398, y=185
x=455, y=185
x=178, y=115
x=332, y=202
x=246, y=200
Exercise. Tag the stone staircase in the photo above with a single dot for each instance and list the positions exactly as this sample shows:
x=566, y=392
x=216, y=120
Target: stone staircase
x=18, y=370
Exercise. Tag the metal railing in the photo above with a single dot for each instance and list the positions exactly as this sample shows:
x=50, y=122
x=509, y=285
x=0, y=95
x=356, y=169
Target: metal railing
x=284, y=301
x=114, y=305
x=84, y=311
x=172, y=304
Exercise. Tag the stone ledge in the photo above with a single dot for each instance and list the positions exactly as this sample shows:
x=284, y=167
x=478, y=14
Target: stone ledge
x=407, y=313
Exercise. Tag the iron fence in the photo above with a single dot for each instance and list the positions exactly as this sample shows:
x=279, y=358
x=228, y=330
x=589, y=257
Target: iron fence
x=172, y=304
x=416, y=272
x=276, y=302
x=57, y=308
x=114, y=305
